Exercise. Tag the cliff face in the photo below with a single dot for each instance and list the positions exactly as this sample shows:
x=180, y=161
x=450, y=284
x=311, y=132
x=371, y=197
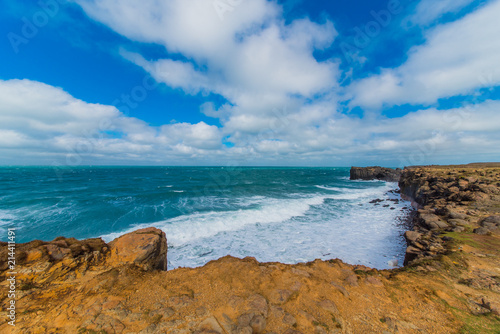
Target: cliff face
x=375, y=173
x=452, y=285
x=449, y=200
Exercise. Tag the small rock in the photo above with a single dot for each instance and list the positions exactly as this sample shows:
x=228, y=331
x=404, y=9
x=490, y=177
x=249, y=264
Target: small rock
x=166, y=312
x=341, y=289
x=210, y=325
x=258, y=324
x=244, y=319
x=412, y=236
x=289, y=319
x=482, y=231
x=491, y=222
x=352, y=280
x=329, y=306
x=258, y=304
x=280, y=296
x=292, y=331
x=374, y=281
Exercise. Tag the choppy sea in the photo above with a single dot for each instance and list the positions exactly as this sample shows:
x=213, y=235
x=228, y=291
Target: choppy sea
x=288, y=215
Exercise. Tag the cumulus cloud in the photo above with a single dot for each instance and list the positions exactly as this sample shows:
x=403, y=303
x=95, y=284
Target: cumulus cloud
x=249, y=55
x=457, y=58
x=282, y=103
x=38, y=123
x=46, y=120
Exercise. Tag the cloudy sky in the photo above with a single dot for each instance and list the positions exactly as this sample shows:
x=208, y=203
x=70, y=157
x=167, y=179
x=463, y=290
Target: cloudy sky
x=249, y=82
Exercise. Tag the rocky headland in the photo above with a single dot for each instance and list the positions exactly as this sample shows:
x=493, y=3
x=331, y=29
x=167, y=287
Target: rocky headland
x=376, y=173
x=450, y=282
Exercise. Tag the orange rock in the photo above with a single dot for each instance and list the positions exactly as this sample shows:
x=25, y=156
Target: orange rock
x=146, y=248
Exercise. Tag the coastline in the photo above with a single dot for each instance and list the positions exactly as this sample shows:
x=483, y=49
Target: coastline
x=449, y=283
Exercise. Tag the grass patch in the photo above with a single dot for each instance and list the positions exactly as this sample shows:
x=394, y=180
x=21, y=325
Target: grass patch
x=481, y=324
x=462, y=238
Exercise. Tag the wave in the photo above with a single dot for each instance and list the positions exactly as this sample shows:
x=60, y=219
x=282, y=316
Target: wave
x=183, y=229
x=331, y=188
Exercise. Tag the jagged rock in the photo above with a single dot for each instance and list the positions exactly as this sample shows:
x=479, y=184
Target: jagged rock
x=375, y=173
x=146, y=248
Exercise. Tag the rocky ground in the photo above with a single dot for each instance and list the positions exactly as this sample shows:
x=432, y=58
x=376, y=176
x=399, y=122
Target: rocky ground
x=451, y=283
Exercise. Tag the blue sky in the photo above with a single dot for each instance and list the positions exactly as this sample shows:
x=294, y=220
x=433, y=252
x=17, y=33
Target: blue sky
x=249, y=82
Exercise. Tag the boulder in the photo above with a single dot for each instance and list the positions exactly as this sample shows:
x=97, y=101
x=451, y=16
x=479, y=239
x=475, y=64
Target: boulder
x=482, y=231
x=146, y=248
x=491, y=222
x=431, y=221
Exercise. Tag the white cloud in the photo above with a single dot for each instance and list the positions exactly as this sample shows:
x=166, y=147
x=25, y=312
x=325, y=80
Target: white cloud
x=457, y=58
x=40, y=119
x=250, y=57
x=36, y=126
x=282, y=102
x=428, y=11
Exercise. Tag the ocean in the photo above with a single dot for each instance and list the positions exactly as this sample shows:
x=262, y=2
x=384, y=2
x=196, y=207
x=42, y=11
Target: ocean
x=289, y=215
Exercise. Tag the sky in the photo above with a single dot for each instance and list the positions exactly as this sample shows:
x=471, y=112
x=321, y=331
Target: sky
x=249, y=82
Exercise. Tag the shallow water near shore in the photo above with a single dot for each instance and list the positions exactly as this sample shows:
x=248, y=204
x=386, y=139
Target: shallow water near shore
x=288, y=215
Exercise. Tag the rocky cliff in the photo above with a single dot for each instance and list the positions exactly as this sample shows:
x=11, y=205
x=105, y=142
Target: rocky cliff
x=451, y=285
x=451, y=200
x=375, y=173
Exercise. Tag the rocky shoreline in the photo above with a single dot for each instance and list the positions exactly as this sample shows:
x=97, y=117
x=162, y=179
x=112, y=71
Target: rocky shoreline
x=450, y=282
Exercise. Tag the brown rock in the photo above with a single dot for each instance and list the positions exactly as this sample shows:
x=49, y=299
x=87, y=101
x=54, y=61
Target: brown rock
x=491, y=222
x=412, y=236
x=374, y=281
x=289, y=319
x=56, y=252
x=258, y=304
x=210, y=325
x=482, y=231
x=329, y=306
x=280, y=296
x=258, y=324
x=352, y=280
x=146, y=248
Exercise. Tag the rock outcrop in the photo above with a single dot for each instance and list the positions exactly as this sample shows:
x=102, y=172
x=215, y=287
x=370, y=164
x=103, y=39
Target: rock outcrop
x=375, y=173
x=146, y=248
x=448, y=199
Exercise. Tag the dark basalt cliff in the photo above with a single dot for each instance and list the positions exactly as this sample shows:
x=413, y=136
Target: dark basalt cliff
x=375, y=173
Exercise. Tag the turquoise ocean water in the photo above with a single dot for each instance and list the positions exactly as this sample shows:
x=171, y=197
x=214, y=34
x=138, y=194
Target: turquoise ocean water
x=289, y=215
